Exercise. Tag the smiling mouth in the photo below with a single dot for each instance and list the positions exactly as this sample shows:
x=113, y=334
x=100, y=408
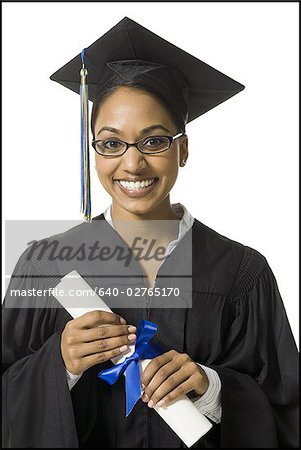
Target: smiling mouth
x=137, y=185
x=137, y=188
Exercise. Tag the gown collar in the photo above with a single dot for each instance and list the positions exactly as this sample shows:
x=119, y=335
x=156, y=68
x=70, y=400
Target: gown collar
x=185, y=224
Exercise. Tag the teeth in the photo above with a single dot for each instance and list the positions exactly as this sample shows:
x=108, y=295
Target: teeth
x=137, y=184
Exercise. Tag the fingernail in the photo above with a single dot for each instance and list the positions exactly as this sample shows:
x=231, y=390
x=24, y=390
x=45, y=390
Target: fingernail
x=150, y=404
x=143, y=386
x=132, y=329
x=161, y=403
x=145, y=398
x=123, y=348
x=122, y=320
x=131, y=337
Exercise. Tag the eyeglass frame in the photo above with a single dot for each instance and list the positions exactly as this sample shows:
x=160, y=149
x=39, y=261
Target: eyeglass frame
x=135, y=144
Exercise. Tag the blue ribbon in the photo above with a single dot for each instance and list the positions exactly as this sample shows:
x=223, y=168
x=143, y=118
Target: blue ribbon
x=131, y=366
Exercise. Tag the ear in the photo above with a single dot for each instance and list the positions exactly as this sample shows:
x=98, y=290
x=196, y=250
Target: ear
x=183, y=150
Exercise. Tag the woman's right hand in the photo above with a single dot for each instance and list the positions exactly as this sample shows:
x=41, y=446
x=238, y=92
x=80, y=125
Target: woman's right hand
x=93, y=338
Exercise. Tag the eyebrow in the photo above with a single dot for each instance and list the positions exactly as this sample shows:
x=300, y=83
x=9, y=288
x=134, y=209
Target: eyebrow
x=145, y=130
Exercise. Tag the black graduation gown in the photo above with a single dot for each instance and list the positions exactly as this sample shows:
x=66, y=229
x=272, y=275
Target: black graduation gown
x=237, y=325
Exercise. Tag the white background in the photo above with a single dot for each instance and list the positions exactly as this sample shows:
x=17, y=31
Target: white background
x=241, y=178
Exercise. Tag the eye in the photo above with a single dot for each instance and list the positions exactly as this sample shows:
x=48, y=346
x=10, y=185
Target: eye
x=155, y=141
x=111, y=144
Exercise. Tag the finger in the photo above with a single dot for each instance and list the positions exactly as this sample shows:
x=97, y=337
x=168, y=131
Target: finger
x=95, y=318
x=160, y=376
x=94, y=334
x=175, y=394
x=103, y=345
x=171, y=383
x=154, y=366
x=97, y=358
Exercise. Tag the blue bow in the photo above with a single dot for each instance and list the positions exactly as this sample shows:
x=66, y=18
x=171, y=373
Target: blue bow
x=131, y=366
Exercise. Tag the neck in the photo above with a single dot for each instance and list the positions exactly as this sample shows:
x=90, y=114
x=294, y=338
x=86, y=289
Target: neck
x=160, y=224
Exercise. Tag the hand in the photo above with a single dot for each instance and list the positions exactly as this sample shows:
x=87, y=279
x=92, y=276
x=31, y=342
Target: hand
x=85, y=342
x=170, y=376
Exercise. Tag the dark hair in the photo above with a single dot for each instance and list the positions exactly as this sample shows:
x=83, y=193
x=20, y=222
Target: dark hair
x=180, y=123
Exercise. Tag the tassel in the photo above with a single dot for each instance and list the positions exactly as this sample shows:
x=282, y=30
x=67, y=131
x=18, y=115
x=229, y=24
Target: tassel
x=85, y=157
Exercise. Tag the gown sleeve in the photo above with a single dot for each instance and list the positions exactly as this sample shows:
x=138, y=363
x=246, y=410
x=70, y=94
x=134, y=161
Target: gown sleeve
x=259, y=367
x=37, y=407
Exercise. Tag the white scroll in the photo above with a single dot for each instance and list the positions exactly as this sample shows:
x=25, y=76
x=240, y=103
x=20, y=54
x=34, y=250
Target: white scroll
x=182, y=415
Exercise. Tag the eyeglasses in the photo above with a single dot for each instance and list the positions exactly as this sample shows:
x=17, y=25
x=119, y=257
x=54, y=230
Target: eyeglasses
x=149, y=146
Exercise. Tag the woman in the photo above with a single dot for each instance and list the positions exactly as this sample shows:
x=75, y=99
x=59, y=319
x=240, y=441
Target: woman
x=226, y=340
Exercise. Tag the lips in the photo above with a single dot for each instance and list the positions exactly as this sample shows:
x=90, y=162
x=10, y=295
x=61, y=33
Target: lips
x=137, y=187
x=137, y=184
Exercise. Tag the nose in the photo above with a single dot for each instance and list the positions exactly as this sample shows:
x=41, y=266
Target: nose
x=133, y=160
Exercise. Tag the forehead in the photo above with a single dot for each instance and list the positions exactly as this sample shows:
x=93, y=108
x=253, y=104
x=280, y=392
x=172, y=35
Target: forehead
x=127, y=104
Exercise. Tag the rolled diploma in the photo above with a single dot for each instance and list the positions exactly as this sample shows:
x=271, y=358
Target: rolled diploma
x=182, y=415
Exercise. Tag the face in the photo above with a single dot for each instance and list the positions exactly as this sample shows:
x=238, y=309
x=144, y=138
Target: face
x=135, y=114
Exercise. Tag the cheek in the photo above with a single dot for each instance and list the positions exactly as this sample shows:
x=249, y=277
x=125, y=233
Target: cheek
x=167, y=168
x=105, y=169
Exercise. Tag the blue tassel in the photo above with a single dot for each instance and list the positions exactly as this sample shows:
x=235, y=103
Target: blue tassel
x=85, y=156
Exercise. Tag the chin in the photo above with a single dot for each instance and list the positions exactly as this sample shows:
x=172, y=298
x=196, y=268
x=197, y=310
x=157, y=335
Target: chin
x=139, y=211
x=140, y=208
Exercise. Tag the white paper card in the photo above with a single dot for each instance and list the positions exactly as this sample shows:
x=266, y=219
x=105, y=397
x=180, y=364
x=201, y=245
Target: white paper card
x=182, y=416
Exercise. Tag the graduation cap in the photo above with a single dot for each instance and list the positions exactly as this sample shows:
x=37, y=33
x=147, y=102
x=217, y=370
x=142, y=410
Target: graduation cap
x=128, y=51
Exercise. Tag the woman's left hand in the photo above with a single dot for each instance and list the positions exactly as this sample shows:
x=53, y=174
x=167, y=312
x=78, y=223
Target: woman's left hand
x=170, y=376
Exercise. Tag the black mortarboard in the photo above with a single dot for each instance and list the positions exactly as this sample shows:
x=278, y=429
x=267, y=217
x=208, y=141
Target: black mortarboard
x=129, y=51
